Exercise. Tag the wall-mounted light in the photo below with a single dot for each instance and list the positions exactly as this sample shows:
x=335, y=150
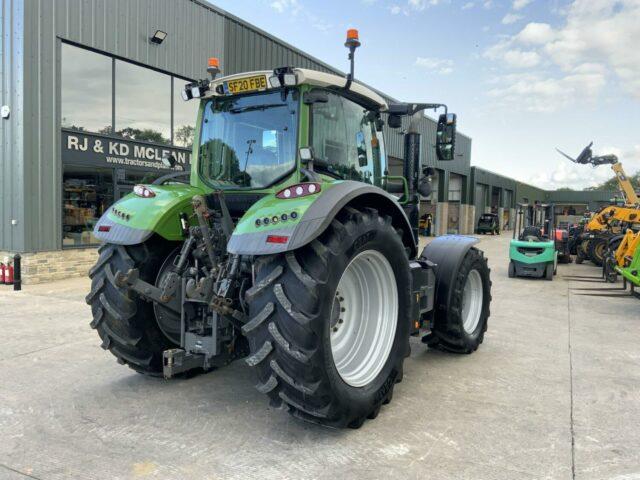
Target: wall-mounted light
x=158, y=37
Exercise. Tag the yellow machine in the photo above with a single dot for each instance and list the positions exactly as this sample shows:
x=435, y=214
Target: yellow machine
x=594, y=239
x=626, y=188
x=622, y=256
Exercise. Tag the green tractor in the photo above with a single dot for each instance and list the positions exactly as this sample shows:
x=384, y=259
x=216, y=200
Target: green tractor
x=291, y=247
x=532, y=251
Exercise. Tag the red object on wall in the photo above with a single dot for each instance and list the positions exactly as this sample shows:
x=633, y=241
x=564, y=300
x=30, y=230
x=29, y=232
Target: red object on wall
x=2, y=269
x=8, y=274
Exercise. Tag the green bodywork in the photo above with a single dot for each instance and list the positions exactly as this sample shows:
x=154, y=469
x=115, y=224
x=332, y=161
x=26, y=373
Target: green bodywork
x=548, y=254
x=632, y=272
x=161, y=214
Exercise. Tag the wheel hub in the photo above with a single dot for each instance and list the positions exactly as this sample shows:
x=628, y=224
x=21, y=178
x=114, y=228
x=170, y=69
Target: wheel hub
x=363, y=318
x=472, y=297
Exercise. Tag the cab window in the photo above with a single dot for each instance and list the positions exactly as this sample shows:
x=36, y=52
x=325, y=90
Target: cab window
x=344, y=140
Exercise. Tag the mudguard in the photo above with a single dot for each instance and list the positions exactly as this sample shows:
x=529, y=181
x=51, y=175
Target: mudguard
x=315, y=214
x=132, y=219
x=447, y=252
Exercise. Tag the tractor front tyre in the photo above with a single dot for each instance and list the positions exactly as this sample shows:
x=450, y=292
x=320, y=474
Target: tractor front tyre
x=596, y=250
x=127, y=324
x=461, y=327
x=329, y=323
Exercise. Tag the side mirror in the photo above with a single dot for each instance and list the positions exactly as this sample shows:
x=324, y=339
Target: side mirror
x=446, y=136
x=315, y=95
x=168, y=160
x=394, y=121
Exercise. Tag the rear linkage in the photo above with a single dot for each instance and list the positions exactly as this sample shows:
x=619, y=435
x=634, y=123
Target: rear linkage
x=204, y=287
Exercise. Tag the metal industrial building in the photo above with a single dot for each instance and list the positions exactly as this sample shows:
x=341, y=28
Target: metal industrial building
x=91, y=102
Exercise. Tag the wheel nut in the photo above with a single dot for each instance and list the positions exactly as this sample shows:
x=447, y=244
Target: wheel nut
x=342, y=310
x=340, y=321
x=335, y=329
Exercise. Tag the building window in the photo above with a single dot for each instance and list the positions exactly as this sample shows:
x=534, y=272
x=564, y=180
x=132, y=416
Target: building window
x=455, y=188
x=86, y=90
x=143, y=103
x=87, y=193
x=184, y=116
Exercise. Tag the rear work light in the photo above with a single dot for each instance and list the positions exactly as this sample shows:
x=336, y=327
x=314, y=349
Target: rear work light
x=299, y=190
x=277, y=239
x=104, y=228
x=142, y=191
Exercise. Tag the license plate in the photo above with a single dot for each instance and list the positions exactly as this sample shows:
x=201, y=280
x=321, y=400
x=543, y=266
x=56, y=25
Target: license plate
x=247, y=84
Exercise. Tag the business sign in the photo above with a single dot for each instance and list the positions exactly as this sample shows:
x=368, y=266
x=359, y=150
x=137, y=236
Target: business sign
x=103, y=150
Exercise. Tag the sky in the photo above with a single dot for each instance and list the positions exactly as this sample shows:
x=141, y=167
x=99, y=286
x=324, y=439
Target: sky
x=524, y=76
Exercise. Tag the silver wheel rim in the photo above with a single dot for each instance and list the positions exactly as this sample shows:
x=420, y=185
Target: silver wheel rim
x=472, y=301
x=364, y=316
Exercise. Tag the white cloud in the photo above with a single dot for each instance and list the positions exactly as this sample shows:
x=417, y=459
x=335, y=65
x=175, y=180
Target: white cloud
x=573, y=62
x=567, y=174
x=295, y=9
x=512, y=57
x=541, y=92
x=417, y=4
x=281, y=6
x=438, y=65
x=468, y=5
x=520, y=4
x=605, y=32
x=510, y=18
x=521, y=59
x=536, y=34
x=413, y=6
x=487, y=4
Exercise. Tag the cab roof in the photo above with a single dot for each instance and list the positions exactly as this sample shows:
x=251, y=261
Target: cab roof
x=309, y=77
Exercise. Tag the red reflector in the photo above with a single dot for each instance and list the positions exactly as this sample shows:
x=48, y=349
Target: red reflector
x=277, y=239
x=104, y=228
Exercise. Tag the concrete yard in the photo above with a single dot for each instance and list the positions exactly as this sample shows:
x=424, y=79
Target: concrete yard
x=553, y=393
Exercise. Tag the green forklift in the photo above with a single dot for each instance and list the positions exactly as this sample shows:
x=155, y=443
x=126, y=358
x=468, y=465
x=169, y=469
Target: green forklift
x=532, y=250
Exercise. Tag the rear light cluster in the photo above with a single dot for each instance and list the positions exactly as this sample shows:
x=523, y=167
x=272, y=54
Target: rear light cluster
x=142, y=191
x=276, y=219
x=299, y=190
x=277, y=239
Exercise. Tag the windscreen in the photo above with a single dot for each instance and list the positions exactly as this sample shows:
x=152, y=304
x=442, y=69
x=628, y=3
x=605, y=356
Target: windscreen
x=248, y=141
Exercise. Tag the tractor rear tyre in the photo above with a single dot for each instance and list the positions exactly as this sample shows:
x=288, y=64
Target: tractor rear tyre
x=461, y=327
x=329, y=323
x=127, y=324
x=596, y=249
